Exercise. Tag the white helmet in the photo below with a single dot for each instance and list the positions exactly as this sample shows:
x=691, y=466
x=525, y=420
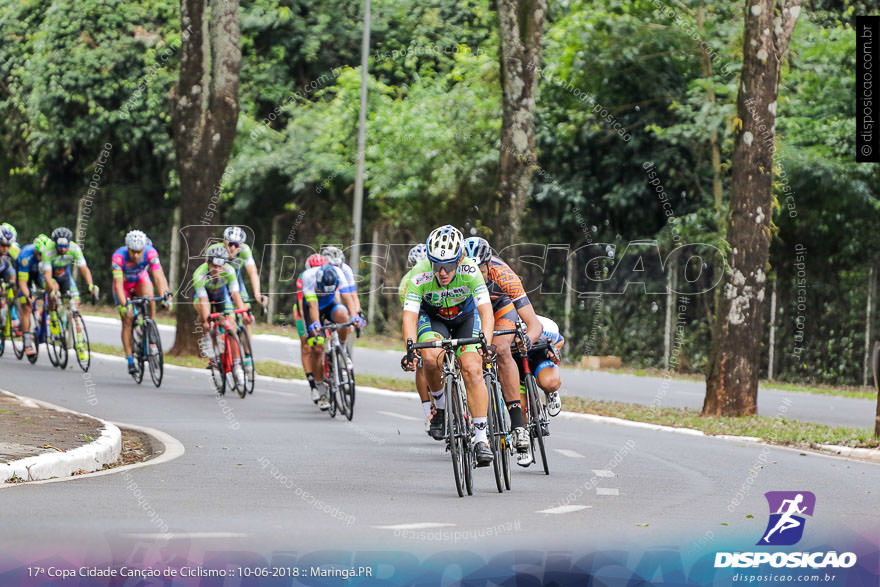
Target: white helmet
x=136, y=240
x=444, y=244
x=234, y=235
x=334, y=255
x=417, y=253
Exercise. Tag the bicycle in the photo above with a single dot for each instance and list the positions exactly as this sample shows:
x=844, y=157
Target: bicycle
x=145, y=342
x=12, y=326
x=247, y=354
x=227, y=349
x=338, y=371
x=56, y=341
x=72, y=331
x=458, y=423
x=500, y=434
x=534, y=410
x=39, y=325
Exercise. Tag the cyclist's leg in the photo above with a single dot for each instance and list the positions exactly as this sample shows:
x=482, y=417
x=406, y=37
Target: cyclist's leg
x=477, y=394
x=144, y=288
x=129, y=288
x=508, y=374
x=245, y=298
x=228, y=308
x=304, y=351
x=429, y=329
x=547, y=376
x=340, y=315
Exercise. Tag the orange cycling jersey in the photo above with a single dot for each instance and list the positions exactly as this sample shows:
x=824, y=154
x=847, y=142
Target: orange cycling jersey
x=504, y=282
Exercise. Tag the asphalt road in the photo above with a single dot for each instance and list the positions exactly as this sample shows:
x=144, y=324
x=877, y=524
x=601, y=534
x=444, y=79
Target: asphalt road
x=824, y=409
x=254, y=468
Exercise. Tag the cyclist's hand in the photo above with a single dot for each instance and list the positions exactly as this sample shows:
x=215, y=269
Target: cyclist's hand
x=264, y=301
x=553, y=355
x=409, y=362
x=95, y=290
x=248, y=318
x=313, y=340
x=359, y=321
x=489, y=353
x=123, y=311
x=206, y=325
x=315, y=328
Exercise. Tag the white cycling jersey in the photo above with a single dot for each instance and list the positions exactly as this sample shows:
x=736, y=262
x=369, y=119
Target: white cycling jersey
x=550, y=330
x=310, y=282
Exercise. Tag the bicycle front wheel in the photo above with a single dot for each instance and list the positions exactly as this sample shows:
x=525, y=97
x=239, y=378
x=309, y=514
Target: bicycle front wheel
x=155, y=358
x=494, y=433
x=35, y=338
x=346, y=384
x=537, y=415
x=467, y=444
x=453, y=436
x=247, y=359
x=56, y=345
x=76, y=327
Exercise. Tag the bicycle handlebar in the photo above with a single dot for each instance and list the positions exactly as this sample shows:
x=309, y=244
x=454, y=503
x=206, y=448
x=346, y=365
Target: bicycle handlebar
x=335, y=326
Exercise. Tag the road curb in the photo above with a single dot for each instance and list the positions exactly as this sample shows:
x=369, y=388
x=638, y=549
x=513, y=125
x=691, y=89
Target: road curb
x=89, y=457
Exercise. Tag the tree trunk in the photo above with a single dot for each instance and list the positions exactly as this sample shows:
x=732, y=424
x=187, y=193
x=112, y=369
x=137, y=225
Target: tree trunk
x=273, y=269
x=204, y=113
x=869, y=319
x=734, y=369
x=521, y=24
x=772, y=358
x=174, y=262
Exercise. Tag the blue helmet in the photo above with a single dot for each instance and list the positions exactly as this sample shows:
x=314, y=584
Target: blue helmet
x=328, y=280
x=478, y=249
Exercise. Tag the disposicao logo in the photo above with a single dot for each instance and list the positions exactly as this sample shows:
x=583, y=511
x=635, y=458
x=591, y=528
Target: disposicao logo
x=786, y=525
x=785, y=528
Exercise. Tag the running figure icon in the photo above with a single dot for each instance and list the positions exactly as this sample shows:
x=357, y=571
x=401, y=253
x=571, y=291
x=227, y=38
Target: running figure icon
x=786, y=524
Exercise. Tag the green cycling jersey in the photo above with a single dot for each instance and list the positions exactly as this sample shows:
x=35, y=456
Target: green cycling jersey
x=244, y=258
x=203, y=282
x=58, y=263
x=466, y=290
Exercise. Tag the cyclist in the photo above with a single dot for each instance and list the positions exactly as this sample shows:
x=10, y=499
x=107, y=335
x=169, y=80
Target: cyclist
x=544, y=365
x=240, y=255
x=349, y=295
x=509, y=300
x=320, y=285
x=447, y=297
x=9, y=251
x=131, y=263
x=215, y=282
x=56, y=264
x=416, y=254
x=29, y=276
x=314, y=260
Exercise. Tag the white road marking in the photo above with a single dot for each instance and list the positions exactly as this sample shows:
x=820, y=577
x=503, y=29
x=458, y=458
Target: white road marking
x=602, y=473
x=607, y=491
x=564, y=509
x=573, y=454
x=178, y=535
x=415, y=526
x=396, y=415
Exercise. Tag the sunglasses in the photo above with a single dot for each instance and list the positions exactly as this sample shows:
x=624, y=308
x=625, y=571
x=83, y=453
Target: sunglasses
x=234, y=245
x=449, y=266
x=218, y=261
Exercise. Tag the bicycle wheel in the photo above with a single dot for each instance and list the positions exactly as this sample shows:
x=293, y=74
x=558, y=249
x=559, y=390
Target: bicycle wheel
x=536, y=417
x=330, y=381
x=493, y=433
x=506, y=445
x=346, y=384
x=233, y=350
x=247, y=358
x=218, y=373
x=4, y=317
x=155, y=358
x=56, y=344
x=467, y=444
x=79, y=336
x=137, y=349
x=453, y=435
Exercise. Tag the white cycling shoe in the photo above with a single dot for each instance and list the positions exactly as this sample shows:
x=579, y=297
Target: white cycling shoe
x=520, y=438
x=315, y=395
x=554, y=403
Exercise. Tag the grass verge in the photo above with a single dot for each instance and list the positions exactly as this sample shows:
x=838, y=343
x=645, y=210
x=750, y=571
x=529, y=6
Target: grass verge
x=775, y=431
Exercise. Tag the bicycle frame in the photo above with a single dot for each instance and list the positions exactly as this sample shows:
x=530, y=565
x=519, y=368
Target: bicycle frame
x=333, y=351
